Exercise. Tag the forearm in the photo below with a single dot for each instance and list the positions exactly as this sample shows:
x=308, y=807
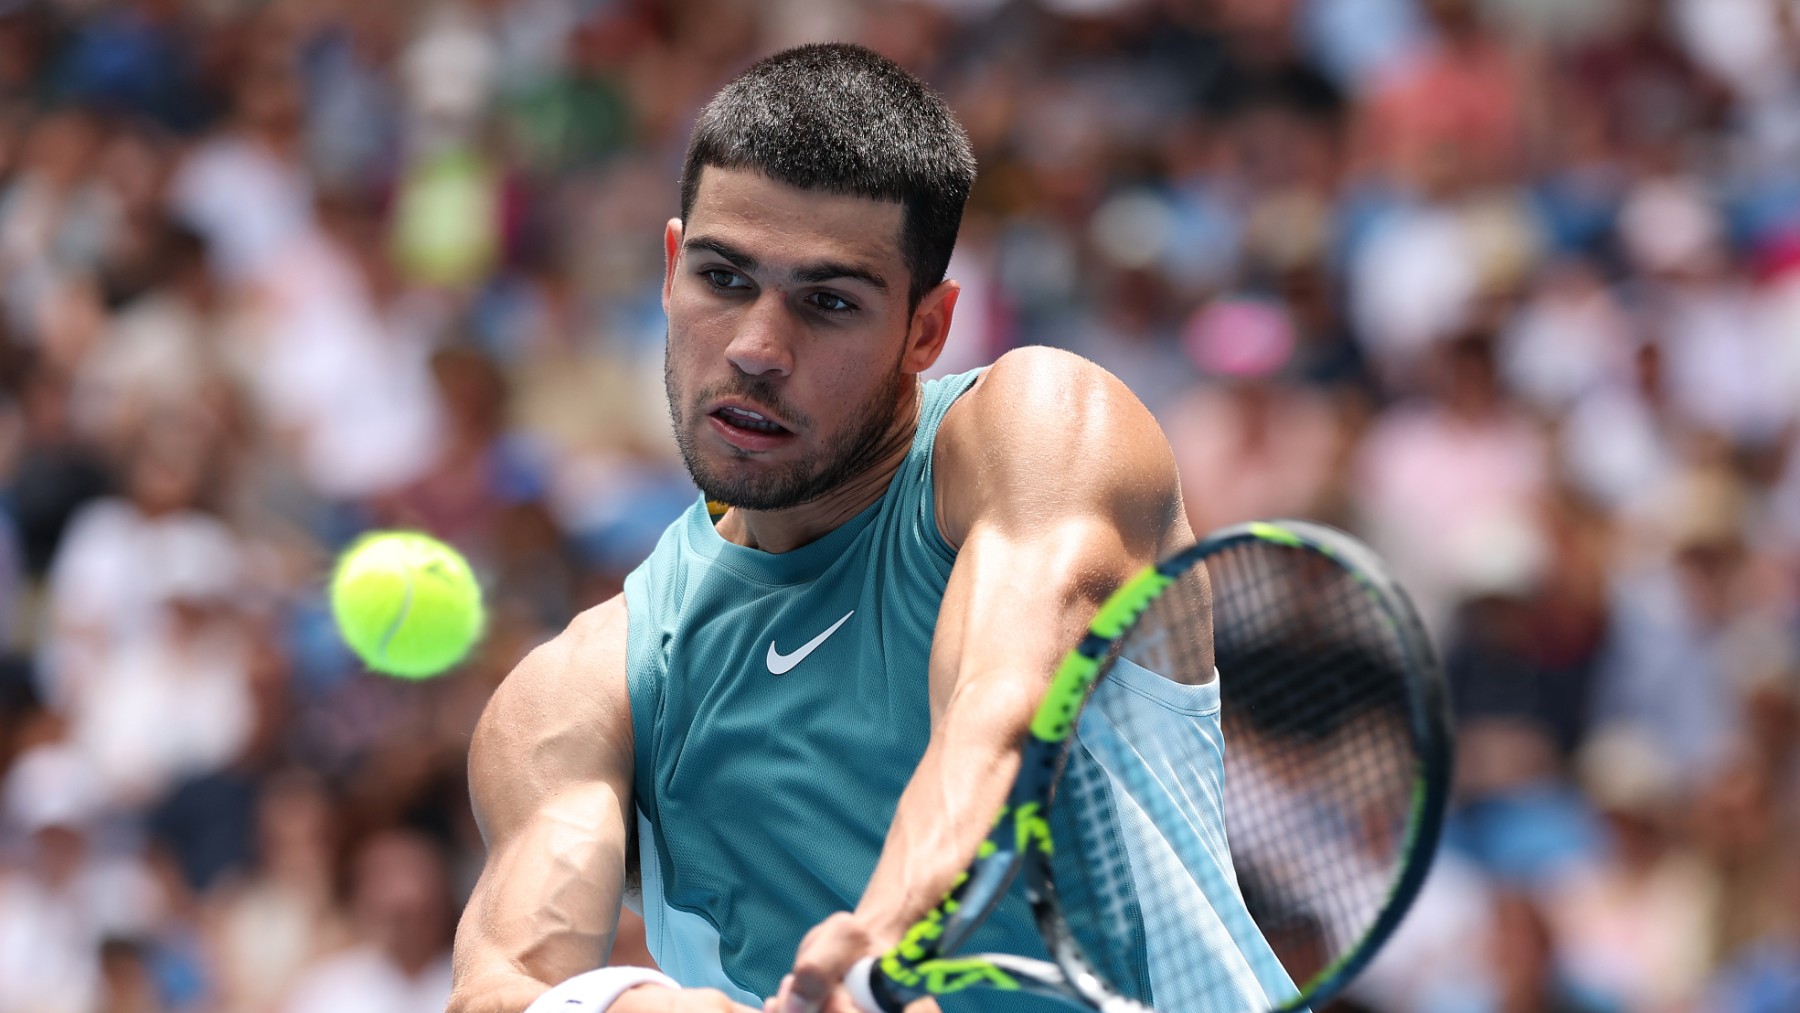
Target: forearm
x=546, y=905
x=550, y=777
x=493, y=977
x=949, y=805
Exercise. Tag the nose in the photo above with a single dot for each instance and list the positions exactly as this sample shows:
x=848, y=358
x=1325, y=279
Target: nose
x=760, y=347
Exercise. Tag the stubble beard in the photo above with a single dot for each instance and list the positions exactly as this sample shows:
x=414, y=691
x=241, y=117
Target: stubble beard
x=865, y=439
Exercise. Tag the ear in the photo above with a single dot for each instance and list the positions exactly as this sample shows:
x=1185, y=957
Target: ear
x=930, y=327
x=671, y=253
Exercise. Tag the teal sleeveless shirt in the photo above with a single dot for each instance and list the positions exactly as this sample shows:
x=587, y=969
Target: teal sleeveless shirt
x=779, y=705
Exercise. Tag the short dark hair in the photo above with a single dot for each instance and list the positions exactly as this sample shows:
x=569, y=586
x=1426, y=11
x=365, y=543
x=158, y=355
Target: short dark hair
x=845, y=120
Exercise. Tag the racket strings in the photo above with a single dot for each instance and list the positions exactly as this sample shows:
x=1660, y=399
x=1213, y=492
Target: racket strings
x=1309, y=727
x=1097, y=895
x=1137, y=790
x=1321, y=757
x=1269, y=633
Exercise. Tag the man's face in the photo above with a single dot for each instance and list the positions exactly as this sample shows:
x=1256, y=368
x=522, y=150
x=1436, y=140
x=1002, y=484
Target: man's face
x=790, y=340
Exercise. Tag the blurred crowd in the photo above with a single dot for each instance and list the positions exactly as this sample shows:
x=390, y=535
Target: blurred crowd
x=1509, y=287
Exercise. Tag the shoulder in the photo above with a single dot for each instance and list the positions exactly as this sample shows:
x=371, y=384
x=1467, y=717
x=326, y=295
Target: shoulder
x=1044, y=427
x=661, y=569
x=562, y=715
x=1032, y=379
x=573, y=663
x=1040, y=396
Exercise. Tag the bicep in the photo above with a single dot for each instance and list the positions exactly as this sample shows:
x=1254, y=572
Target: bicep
x=1067, y=487
x=1017, y=601
x=550, y=780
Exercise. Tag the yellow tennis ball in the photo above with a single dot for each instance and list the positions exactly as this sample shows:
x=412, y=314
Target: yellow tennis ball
x=406, y=603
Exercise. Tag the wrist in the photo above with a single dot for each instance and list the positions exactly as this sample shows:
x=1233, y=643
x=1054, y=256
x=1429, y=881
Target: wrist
x=597, y=990
x=878, y=931
x=888, y=918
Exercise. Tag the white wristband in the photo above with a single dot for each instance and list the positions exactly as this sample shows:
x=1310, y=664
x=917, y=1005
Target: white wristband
x=862, y=991
x=593, y=991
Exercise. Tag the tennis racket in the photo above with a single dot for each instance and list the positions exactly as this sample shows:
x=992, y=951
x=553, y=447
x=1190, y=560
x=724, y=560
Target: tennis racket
x=1272, y=676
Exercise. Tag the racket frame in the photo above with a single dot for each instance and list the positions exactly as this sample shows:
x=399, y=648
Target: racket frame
x=925, y=961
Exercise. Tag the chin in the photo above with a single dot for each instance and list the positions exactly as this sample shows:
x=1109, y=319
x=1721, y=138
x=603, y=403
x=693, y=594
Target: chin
x=751, y=486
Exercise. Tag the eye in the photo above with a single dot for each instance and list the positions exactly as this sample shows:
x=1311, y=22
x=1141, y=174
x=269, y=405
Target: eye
x=720, y=278
x=831, y=302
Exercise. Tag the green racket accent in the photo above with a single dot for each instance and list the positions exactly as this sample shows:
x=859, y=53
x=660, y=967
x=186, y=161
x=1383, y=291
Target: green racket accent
x=918, y=942
x=1031, y=829
x=953, y=974
x=1129, y=602
x=1069, y=686
x=1021, y=827
x=1068, y=690
x=899, y=971
x=1274, y=533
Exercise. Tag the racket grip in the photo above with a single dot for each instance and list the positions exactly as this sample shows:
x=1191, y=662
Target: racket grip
x=868, y=990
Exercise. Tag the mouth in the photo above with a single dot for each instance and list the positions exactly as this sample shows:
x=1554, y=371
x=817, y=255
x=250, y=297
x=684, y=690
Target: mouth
x=744, y=418
x=747, y=428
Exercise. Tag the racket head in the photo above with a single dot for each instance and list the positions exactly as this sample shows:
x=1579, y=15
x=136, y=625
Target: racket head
x=1323, y=659
x=1335, y=777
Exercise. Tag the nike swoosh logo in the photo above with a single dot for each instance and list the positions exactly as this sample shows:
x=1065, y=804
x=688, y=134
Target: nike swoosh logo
x=781, y=664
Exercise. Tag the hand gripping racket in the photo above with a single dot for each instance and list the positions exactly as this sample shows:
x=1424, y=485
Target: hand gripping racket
x=1189, y=844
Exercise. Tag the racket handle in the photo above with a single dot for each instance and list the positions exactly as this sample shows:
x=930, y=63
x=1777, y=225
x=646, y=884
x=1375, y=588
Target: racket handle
x=868, y=990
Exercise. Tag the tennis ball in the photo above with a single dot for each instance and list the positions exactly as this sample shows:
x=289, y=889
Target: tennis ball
x=406, y=603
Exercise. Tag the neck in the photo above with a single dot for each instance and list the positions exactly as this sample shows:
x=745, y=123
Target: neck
x=794, y=527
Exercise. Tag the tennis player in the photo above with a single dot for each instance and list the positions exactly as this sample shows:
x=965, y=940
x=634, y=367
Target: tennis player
x=794, y=727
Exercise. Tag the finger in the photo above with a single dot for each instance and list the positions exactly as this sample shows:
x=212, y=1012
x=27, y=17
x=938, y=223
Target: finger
x=826, y=953
x=777, y=1002
x=797, y=1003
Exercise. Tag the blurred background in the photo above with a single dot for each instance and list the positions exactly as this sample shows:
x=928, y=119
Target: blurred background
x=1509, y=287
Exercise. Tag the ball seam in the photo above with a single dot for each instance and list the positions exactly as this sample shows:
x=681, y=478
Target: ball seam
x=400, y=614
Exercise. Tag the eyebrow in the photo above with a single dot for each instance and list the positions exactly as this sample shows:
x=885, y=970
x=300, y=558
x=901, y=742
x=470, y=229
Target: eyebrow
x=829, y=270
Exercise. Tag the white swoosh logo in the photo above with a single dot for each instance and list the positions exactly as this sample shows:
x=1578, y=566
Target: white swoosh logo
x=780, y=664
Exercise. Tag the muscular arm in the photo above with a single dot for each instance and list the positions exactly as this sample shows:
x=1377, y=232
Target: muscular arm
x=550, y=773
x=1057, y=484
